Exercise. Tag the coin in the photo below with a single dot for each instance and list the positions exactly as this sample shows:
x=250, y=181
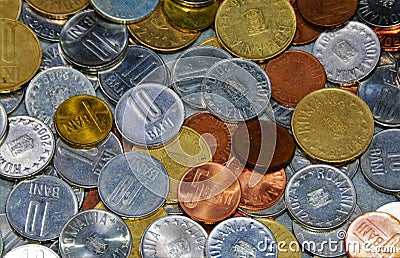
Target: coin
x=52, y=57
x=20, y=56
x=3, y=123
x=389, y=38
x=10, y=101
x=209, y=193
x=213, y=41
x=256, y=30
x=9, y=237
x=332, y=125
x=280, y=114
x=91, y=199
x=173, y=236
x=392, y=208
x=58, y=9
x=31, y=250
x=95, y=233
x=10, y=9
x=382, y=14
x=305, y=33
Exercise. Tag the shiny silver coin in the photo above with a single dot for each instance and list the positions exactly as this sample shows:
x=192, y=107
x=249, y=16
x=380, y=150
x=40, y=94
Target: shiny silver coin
x=190, y=69
x=55, y=246
x=380, y=163
x=91, y=42
x=52, y=57
x=149, y=115
x=393, y=208
x=173, y=209
x=81, y=167
x=349, y=53
x=38, y=208
x=280, y=114
x=5, y=188
x=140, y=65
x=379, y=13
x=133, y=184
x=196, y=2
x=236, y=89
x=241, y=237
x=320, y=197
x=9, y=237
x=31, y=250
x=10, y=101
x=95, y=233
x=3, y=123
x=173, y=236
x=27, y=149
x=49, y=88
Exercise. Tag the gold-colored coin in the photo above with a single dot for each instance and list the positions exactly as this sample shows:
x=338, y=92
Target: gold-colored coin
x=213, y=41
x=83, y=121
x=256, y=30
x=187, y=150
x=20, y=54
x=10, y=9
x=190, y=18
x=288, y=245
x=58, y=9
x=156, y=33
x=333, y=125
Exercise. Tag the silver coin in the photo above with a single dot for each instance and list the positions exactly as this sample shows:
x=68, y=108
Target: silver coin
x=380, y=164
x=190, y=69
x=81, y=167
x=52, y=57
x=10, y=101
x=124, y=12
x=149, y=115
x=236, y=89
x=27, y=149
x=44, y=28
x=31, y=251
x=5, y=189
x=393, y=208
x=1, y=245
x=91, y=42
x=173, y=236
x=280, y=114
x=320, y=197
x=379, y=13
x=196, y=2
x=173, y=209
x=133, y=184
x=3, y=123
x=55, y=246
x=38, y=208
x=382, y=97
x=324, y=243
x=348, y=53
x=140, y=65
x=49, y=88
x=10, y=238
x=241, y=237
x=95, y=233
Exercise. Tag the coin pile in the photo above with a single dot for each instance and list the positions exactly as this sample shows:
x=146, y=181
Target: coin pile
x=145, y=133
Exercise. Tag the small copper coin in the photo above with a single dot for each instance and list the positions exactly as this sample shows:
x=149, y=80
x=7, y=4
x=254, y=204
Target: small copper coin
x=327, y=13
x=215, y=132
x=293, y=75
x=91, y=200
x=305, y=33
x=373, y=234
x=263, y=145
x=389, y=38
x=209, y=193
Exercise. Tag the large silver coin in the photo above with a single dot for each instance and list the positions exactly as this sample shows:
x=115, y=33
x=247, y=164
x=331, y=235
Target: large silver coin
x=38, y=208
x=95, y=233
x=3, y=123
x=133, y=184
x=149, y=115
x=31, y=251
x=173, y=236
x=10, y=238
x=27, y=149
x=379, y=13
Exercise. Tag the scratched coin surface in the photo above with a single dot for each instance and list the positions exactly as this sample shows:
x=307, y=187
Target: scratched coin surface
x=10, y=9
x=38, y=208
x=58, y=9
x=95, y=233
x=378, y=13
x=320, y=197
x=27, y=149
x=133, y=184
x=83, y=121
x=173, y=236
x=32, y=250
x=333, y=125
x=9, y=237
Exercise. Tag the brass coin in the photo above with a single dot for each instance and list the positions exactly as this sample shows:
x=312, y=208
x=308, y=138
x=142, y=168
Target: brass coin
x=83, y=121
x=333, y=125
x=156, y=33
x=10, y=9
x=256, y=30
x=57, y=9
x=20, y=54
x=213, y=41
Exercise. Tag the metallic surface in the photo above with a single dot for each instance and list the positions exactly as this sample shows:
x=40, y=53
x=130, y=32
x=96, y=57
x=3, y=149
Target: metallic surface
x=379, y=13
x=10, y=101
x=31, y=250
x=58, y=9
x=280, y=114
x=91, y=199
x=9, y=237
x=3, y=123
x=52, y=57
x=10, y=9
x=389, y=38
x=305, y=33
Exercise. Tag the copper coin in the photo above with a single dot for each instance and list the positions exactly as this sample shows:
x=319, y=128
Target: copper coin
x=263, y=145
x=215, y=132
x=305, y=33
x=293, y=75
x=91, y=200
x=373, y=234
x=209, y=193
x=327, y=13
x=351, y=87
x=389, y=38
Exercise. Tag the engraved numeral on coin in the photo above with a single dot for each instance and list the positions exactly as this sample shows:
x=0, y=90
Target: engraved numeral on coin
x=34, y=218
x=394, y=161
x=125, y=193
x=384, y=104
x=100, y=46
x=141, y=70
x=145, y=106
x=37, y=253
x=7, y=44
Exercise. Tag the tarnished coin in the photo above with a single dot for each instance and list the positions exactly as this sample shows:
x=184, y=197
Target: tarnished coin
x=379, y=13
x=58, y=9
x=38, y=208
x=9, y=237
x=349, y=53
x=95, y=233
x=27, y=149
x=133, y=184
x=393, y=208
x=52, y=57
x=10, y=101
x=10, y=9
x=241, y=237
x=173, y=236
x=31, y=250
x=3, y=123
x=320, y=197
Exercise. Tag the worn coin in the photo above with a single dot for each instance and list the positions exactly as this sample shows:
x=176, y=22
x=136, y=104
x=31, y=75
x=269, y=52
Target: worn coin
x=52, y=57
x=32, y=250
x=379, y=13
x=10, y=9
x=58, y=9
x=305, y=33
x=280, y=114
x=10, y=101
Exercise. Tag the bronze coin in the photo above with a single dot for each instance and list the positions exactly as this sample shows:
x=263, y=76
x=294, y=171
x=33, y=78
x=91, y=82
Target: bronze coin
x=263, y=145
x=209, y=193
x=293, y=75
x=389, y=38
x=215, y=132
x=327, y=13
x=91, y=200
x=305, y=33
